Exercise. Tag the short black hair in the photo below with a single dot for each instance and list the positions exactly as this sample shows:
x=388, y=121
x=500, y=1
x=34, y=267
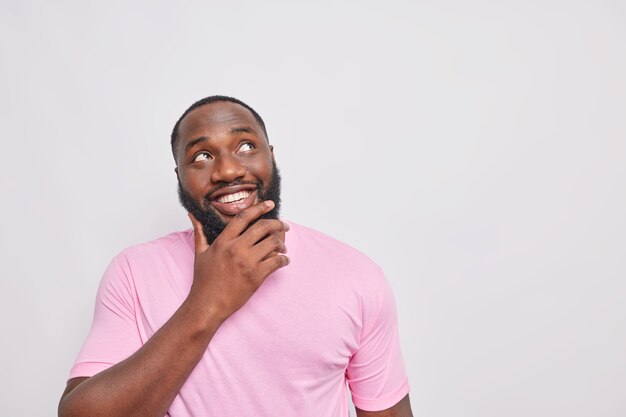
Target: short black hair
x=209, y=100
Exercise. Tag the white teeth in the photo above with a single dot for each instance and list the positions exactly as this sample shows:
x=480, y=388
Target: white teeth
x=229, y=198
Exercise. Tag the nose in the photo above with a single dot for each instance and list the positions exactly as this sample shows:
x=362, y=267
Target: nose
x=227, y=169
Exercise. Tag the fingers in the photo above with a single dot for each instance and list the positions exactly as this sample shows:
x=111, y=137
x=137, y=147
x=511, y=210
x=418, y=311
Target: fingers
x=241, y=221
x=270, y=246
x=273, y=263
x=263, y=228
x=201, y=244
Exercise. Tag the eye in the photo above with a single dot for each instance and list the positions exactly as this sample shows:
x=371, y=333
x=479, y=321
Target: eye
x=246, y=146
x=202, y=156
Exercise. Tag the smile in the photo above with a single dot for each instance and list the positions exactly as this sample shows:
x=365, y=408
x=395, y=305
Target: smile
x=232, y=203
x=231, y=198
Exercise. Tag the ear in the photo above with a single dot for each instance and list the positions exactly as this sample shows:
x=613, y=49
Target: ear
x=272, y=152
x=176, y=171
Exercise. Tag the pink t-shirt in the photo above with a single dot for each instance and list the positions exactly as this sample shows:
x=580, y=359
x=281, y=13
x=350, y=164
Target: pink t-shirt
x=326, y=318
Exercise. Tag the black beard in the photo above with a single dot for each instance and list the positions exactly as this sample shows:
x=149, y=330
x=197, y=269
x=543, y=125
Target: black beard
x=212, y=224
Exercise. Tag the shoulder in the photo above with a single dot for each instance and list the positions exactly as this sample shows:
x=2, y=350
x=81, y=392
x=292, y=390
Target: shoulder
x=171, y=252
x=173, y=244
x=314, y=239
x=321, y=248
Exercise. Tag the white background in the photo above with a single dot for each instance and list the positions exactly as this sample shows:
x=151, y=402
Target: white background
x=475, y=150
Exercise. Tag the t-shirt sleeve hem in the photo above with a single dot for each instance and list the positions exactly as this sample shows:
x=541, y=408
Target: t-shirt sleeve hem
x=88, y=369
x=381, y=403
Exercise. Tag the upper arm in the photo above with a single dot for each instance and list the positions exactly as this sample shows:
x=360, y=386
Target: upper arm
x=376, y=373
x=401, y=409
x=71, y=384
x=114, y=333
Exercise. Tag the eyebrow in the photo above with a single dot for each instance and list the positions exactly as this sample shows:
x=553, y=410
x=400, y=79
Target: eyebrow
x=195, y=141
x=201, y=139
x=242, y=130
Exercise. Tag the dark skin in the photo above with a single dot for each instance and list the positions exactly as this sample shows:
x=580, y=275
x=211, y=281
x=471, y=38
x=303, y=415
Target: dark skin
x=218, y=143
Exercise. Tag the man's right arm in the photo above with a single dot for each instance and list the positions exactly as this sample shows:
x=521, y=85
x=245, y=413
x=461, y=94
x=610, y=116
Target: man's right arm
x=226, y=274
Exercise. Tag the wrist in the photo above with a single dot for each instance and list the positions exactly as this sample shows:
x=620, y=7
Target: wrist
x=203, y=311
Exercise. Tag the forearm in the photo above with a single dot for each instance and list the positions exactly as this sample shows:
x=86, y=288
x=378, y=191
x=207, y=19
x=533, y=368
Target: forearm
x=146, y=383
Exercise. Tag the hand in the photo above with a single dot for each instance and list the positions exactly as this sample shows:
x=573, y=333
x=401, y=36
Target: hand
x=229, y=271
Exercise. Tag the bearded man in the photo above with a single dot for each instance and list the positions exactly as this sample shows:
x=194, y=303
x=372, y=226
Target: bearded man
x=244, y=314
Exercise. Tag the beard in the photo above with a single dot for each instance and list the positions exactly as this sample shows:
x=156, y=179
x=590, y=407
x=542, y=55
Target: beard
x=212, y=224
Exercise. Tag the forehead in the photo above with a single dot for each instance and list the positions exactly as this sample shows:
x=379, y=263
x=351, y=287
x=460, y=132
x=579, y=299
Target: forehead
x=215, y=118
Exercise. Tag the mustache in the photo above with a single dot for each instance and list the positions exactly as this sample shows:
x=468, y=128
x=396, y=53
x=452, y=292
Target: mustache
x=209, y=195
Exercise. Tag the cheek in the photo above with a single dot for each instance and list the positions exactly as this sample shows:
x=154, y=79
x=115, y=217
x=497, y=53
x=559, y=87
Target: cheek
x=262, y=167
x=195, y=182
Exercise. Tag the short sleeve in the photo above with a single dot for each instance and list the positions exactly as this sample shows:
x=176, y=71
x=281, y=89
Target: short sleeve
x=376, y=373
x=114, y=333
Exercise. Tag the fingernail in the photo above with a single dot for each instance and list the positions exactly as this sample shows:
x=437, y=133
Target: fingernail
x=269, y=203
x=286, y=225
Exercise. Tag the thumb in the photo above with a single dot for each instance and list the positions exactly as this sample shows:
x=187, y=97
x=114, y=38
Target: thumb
x=198, y=233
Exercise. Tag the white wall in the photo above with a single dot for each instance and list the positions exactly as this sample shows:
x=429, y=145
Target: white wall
x=476, y=150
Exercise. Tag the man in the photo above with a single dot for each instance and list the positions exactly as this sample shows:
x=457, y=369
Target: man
x=245, y=315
